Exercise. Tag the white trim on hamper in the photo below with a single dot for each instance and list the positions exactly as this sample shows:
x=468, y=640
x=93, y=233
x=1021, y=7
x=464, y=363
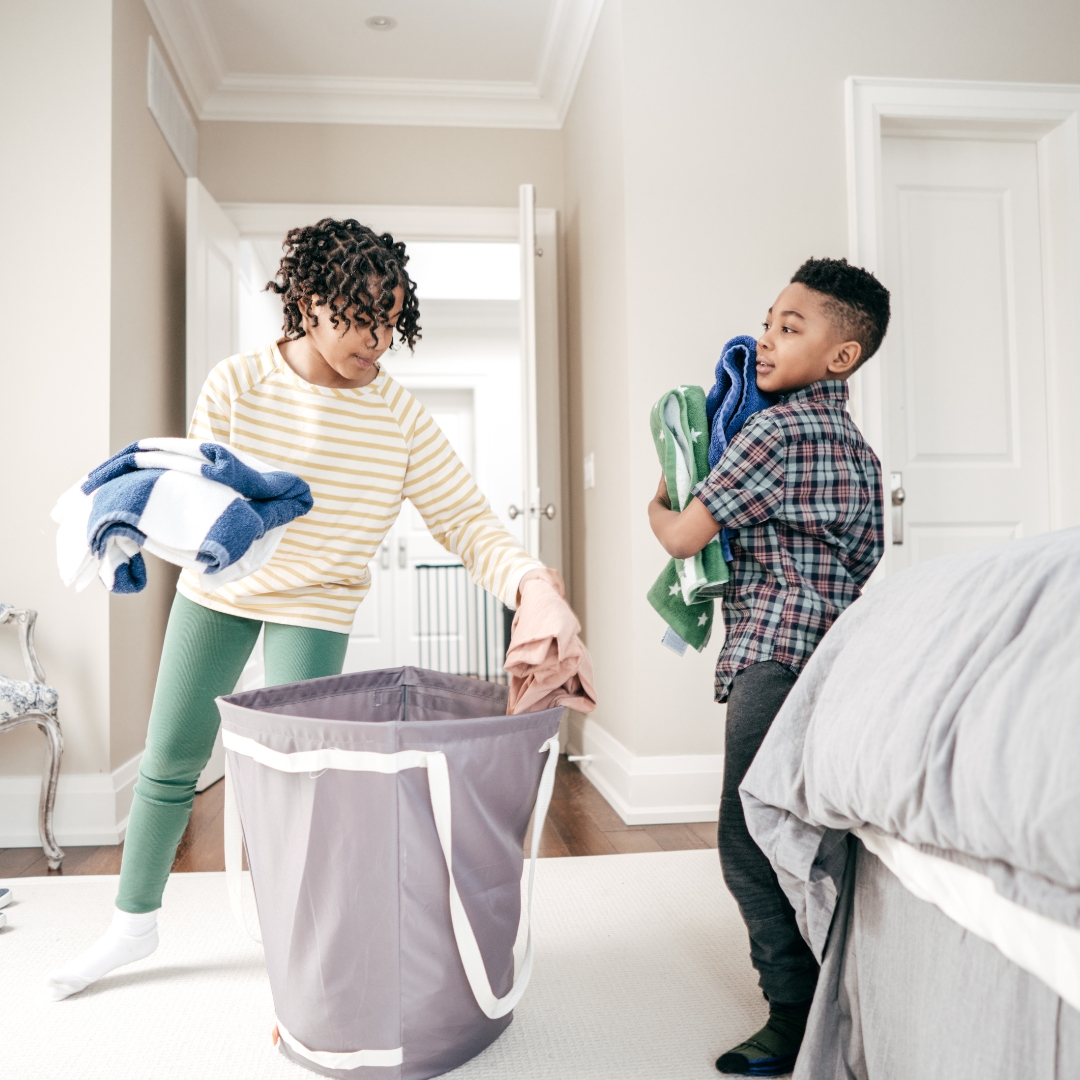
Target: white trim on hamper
x=357, y=1059
x=91, y=808
x=655, y=789
x=1044, y=947
x=438, y=773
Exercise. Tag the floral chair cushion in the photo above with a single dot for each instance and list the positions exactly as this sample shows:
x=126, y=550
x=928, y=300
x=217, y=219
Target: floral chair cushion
x=17, y=698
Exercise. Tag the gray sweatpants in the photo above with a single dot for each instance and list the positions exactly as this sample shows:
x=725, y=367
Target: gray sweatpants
x=787, y=970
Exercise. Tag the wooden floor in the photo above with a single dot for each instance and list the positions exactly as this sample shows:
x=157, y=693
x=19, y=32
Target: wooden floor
x=580, y=822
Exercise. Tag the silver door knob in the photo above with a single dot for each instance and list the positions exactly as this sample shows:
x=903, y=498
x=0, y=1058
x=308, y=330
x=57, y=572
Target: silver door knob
x=513, y=512
x=896, y=488
x=549, y=511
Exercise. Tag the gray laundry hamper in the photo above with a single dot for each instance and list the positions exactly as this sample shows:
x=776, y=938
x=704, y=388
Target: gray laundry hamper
x=384, y=815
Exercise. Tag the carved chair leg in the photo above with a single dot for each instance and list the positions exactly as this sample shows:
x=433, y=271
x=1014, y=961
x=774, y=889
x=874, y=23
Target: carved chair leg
x=54, y=752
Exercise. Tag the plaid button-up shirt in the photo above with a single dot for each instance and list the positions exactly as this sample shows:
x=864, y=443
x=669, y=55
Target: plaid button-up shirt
x=801, y=491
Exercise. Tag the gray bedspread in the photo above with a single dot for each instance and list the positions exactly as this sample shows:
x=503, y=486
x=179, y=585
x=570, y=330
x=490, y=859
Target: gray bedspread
x=942, y=708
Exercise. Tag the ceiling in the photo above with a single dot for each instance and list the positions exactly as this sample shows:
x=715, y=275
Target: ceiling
x=475, y=63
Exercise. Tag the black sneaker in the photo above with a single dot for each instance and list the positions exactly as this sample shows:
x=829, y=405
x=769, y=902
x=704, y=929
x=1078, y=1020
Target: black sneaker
x=751, y=1058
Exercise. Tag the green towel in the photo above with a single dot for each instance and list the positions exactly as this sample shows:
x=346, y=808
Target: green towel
x=683, y=593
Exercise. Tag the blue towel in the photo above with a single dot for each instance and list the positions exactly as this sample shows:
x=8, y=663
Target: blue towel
x=200, y=505
x=734, y=398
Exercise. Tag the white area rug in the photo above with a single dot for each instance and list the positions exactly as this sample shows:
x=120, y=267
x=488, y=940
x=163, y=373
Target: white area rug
x=642, y=973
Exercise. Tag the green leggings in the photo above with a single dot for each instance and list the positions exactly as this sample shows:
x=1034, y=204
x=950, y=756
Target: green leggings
x=204, y=654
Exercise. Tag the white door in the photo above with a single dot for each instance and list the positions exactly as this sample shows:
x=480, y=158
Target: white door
x=213, y=288
x=541, y=424
x=965, y=363
x=212, y=324
x=386, y=630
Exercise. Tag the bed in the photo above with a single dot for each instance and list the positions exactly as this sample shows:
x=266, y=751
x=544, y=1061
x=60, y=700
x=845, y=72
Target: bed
x=919, y=798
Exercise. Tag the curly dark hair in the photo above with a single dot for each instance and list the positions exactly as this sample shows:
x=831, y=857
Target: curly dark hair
x=343, y=265
x=857, y=302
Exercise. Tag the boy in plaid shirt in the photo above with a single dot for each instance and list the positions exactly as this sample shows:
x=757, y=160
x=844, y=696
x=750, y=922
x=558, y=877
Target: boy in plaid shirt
x=801, y=492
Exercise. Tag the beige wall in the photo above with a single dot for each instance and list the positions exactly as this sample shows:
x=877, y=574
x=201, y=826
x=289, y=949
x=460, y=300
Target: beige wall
x=147, y=361
x=93, y=313
x=701, y=161
x=351, y=163
x=731, y=123
x=55, y=200
x=594, y=225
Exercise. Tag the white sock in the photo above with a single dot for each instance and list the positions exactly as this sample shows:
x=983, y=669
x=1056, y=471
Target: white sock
x=129, y=937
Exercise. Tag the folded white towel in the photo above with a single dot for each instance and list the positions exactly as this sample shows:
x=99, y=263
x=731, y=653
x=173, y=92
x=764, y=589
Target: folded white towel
x=200, y=505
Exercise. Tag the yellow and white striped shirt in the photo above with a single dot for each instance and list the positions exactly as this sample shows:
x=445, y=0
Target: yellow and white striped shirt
x=361, y=451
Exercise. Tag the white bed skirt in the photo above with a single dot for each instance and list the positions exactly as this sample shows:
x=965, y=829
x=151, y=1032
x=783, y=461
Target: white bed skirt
x=1045, y=948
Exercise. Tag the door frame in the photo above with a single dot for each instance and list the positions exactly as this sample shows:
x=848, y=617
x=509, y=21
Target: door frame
x=1045, y=114
x=210, y=232
x=477, y=224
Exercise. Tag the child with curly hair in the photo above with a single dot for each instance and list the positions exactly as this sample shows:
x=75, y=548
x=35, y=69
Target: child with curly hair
x=317, y=403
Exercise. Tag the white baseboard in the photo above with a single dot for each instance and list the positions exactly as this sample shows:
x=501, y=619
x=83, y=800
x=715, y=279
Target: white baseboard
x=650, y=790
x=91, y=808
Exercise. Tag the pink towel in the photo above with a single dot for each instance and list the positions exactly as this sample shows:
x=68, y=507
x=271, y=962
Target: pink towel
x=547, y=662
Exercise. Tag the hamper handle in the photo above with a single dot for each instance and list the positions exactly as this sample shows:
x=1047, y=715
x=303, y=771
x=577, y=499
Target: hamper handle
x=234, y=850
x=468, y=949
x=439, y=788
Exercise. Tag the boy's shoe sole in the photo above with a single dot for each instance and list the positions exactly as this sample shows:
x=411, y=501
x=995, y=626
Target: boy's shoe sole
x=5, y=897
x=3, y=919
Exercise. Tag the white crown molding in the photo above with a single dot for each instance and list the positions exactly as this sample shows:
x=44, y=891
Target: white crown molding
x=217, y=94
x=491, y=223
x=566, y=44
x=309, y=99
x=191, y=48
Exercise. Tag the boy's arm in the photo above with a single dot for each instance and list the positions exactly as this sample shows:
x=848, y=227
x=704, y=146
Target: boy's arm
x=681, y=535
x=745, y=488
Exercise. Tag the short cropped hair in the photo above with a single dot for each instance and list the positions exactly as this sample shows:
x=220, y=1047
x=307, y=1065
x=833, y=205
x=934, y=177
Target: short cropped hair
x=856, y=302
x=345, y=265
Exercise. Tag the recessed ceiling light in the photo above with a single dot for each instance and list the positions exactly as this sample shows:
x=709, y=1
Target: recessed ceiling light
x=381, y=22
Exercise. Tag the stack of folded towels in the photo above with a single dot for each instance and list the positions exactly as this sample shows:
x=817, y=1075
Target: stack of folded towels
x=683, y=594
x=200, y=505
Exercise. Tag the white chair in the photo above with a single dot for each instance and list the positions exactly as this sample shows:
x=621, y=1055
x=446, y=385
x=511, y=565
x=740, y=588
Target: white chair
x=34, y=703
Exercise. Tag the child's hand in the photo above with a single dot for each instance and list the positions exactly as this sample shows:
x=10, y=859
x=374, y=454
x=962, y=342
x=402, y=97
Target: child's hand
x=662, y=496
x=681, y=535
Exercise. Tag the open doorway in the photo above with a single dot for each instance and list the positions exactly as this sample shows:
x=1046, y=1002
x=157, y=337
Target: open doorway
x=466, y=371
x=486, y=367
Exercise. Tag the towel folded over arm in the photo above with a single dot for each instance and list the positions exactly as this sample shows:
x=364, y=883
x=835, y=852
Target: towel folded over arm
x=200, y=505
x=683, y=593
